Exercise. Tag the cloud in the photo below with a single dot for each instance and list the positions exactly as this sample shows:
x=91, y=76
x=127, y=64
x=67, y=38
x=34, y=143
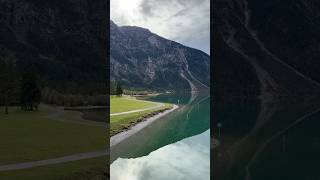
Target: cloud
x=174, y=161
x=184, y=21
x=146, y=9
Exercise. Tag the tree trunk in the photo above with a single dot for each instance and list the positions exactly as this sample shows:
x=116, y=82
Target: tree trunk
x=6, y=106
x=6, y=109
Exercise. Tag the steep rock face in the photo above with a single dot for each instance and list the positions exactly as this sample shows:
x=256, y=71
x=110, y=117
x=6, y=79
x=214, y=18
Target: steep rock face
x=66, y=40
x=142, y=59
x=276, y=41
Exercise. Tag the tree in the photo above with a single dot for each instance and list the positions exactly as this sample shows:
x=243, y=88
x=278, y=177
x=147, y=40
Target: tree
x=8, y=81
x=119, y=90
x=113, y=85
x=30, y=94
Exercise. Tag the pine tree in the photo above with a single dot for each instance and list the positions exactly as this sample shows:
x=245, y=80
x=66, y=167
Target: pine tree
x=119, y=90
x=30, y=94
x=8, y=80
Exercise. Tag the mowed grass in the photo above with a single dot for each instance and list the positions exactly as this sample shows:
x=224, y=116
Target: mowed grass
x=29, y=136
x=77, y=170
x=126, y=103
x=123, y=122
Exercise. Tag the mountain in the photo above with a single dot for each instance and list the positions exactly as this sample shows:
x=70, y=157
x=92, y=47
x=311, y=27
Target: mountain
x=267, y=48
x=142, y=59
x=65, y=40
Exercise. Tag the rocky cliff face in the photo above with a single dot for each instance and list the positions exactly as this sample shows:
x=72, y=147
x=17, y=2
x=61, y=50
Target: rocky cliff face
x=142, y=59
x=271, y=47
x=66, y=40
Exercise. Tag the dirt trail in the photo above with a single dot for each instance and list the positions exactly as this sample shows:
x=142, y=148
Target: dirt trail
x=64, y=159
x=58, y=113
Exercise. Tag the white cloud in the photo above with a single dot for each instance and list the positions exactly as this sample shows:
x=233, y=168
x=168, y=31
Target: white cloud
x=184, y=21
x=175, y=161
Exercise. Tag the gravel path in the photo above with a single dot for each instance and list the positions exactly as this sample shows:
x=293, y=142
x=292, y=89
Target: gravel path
x=64, y=159
x=59, y=112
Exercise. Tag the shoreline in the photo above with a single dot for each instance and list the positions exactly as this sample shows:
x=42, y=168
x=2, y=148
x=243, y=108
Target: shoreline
x=118, y=138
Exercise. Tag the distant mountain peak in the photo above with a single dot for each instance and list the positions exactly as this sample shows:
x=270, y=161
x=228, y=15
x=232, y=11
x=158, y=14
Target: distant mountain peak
x=142, y=59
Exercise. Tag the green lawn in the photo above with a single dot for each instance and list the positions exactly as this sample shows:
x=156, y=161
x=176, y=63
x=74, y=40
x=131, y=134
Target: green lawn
x=78, y=170
x=99, y=115
x=28, y=136
x=123, y=104
x=122, y=122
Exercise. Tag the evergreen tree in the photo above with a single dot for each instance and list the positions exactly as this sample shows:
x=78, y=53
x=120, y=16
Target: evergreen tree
x=8, y=80
x=119, y=90
x=113, y=87
x=30, y=94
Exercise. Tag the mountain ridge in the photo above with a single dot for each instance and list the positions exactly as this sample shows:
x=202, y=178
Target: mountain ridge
x=65, y=40
x=142, y=59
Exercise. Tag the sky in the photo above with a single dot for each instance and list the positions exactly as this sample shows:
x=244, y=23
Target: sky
x=183, y=21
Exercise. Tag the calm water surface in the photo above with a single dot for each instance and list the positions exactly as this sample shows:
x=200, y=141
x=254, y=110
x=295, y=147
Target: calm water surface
x=261, y=141
x=168, y=148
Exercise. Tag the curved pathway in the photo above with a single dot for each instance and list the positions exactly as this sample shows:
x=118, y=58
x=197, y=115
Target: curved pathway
x=64, y=159
x=59, y=112
x=57, y=115
x=159, y=105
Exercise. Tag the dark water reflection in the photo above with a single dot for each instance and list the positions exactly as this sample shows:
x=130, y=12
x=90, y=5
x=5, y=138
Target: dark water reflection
x=192, y=118
x=276, y=139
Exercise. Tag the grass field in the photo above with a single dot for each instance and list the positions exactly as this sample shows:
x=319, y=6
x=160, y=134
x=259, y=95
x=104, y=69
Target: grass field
x=122, y=104
x=99, y=115
x=77, y=170
x=29, y=136
x=121, y=122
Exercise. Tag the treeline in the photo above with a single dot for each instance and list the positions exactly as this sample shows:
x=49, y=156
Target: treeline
x=74, y=87
x=18, y=87
x=22, y=86
x=136, y=92
x=51, y=96
x=116, y=88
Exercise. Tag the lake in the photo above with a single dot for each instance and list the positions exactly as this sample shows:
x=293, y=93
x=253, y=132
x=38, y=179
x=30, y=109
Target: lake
x=266, y=140
x=168, y=148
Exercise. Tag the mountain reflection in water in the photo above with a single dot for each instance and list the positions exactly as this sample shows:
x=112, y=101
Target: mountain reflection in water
x=278, y=139
x=192, y=118
x=188, y=159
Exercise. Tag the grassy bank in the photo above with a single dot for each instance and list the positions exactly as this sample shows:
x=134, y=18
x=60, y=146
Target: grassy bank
x=127, y=103
x=29, y=136
x=120, y=123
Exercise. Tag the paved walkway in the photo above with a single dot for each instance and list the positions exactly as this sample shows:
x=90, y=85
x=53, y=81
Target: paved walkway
x=70, y=158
